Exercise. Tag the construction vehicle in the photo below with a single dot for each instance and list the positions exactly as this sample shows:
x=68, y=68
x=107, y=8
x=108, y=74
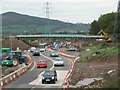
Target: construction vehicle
x=14, y=58
x=106, y=37
x=18, y=56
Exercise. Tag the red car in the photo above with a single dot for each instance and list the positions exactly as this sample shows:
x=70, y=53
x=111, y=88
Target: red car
x=41, y=63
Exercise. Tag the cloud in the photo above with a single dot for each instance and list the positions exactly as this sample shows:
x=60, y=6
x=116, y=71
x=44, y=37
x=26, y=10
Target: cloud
x=68, y=10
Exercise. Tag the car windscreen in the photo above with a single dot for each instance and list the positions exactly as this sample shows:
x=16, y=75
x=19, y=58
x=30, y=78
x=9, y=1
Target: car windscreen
x=48, y=73
x=58, y=59
x=42, y=62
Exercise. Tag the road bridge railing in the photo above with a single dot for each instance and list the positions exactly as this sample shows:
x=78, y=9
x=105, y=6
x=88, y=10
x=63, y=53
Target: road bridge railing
x=60, y=36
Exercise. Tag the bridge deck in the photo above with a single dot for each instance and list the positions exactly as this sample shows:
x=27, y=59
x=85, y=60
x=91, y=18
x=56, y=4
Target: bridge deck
x=60, y=35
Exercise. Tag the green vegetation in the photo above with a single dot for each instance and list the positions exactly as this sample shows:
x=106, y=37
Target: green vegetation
x=23, y=24
x=105, y=22
x=85, y=59
x=98, y=50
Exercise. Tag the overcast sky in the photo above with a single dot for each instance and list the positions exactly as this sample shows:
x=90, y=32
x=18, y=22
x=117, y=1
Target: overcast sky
x=75, y=11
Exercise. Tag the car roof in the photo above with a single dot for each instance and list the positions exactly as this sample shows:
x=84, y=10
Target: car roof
x=33, y=47
x=54, y=52
x=58, y=58
x=42, y=60
x=36, y=51
x=47, y=70
x=15, y=51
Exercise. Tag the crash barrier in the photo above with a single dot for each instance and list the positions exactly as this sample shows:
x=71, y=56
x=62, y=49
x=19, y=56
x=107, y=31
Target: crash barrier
x=68, y=76
x=11, y=77
x=63, y=54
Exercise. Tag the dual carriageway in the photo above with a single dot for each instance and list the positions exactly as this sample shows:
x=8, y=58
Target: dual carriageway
x=33, y=78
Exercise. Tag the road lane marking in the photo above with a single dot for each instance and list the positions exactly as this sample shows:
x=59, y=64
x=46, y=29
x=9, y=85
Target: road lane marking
x=61, y=76
x=43, y=71
x=33, y=66
x=32, y=88
x=38, y=80
x=49, y=59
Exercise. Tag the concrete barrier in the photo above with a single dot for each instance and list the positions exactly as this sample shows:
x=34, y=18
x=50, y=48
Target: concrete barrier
x=63, y=54
x=68, y=76
x=16, y=74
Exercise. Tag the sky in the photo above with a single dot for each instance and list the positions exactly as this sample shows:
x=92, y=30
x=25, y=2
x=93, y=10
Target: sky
x=74, y=11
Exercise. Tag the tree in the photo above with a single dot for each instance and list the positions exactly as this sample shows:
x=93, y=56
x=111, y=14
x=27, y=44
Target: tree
x=105, y=22
x=94, y=27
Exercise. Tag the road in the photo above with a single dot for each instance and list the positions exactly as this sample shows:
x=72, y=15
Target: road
x=32, y=78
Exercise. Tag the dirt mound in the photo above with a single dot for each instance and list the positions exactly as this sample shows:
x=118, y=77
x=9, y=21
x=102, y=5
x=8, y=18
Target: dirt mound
x=97, y=67
x=8, y=42
x=106, y=59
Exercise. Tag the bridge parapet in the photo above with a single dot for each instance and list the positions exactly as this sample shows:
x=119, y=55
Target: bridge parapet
x=60, y=36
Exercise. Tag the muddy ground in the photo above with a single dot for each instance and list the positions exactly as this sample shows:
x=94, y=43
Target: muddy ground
x=104, y=66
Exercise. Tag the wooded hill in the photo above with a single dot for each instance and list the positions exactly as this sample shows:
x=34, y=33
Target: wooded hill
x=24, y=24
x=105, y=22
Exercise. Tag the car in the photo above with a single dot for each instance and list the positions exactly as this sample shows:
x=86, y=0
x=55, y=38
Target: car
x=32, y=49
x=49, y=76
x=58, y=62
x=41, y=63
x=54, y=54
x=55, y=48
x=72, y=48
x=36, y=53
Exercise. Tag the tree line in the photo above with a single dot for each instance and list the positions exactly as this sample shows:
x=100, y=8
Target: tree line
x=105, y=22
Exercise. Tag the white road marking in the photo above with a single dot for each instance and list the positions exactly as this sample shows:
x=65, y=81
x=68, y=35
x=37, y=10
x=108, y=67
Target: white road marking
x=32, y=88
x=33, y=66
x=45, y=57
x=49, y=59
x=43, y=71
x=61, y=76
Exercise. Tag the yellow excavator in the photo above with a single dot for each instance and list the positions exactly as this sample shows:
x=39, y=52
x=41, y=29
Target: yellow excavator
x=103, y=33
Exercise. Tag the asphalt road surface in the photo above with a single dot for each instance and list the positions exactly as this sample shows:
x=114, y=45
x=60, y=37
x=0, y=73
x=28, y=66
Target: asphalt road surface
x=32, y=78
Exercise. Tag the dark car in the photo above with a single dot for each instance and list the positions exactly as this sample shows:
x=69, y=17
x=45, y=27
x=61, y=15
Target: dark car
x=72, y=48
x=36, y=53
x=49, y=76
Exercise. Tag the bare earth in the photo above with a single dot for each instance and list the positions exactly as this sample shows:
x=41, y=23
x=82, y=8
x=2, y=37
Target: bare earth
x=98, y=67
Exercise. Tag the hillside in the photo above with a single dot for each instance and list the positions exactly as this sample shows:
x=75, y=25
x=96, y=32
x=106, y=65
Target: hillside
x=18, y=23
x=106, y=22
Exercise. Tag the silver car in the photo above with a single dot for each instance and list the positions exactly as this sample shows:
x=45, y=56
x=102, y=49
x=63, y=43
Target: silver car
x=58, y=62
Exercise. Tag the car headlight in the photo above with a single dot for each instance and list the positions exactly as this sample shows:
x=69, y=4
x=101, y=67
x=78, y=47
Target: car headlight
x=43, y=78
x=52, y=77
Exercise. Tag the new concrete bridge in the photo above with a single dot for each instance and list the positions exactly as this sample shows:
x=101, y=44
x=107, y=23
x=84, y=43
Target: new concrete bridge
x=34, y=40
x=61, y=36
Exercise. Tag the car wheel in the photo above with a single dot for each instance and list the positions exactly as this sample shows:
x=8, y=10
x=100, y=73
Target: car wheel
x=3, y=65
x=15, y=63
x=42, y=82
x=53, y=82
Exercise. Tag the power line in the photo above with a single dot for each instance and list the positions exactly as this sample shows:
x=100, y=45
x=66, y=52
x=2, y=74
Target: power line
x=48, y=8
x=116, y=32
